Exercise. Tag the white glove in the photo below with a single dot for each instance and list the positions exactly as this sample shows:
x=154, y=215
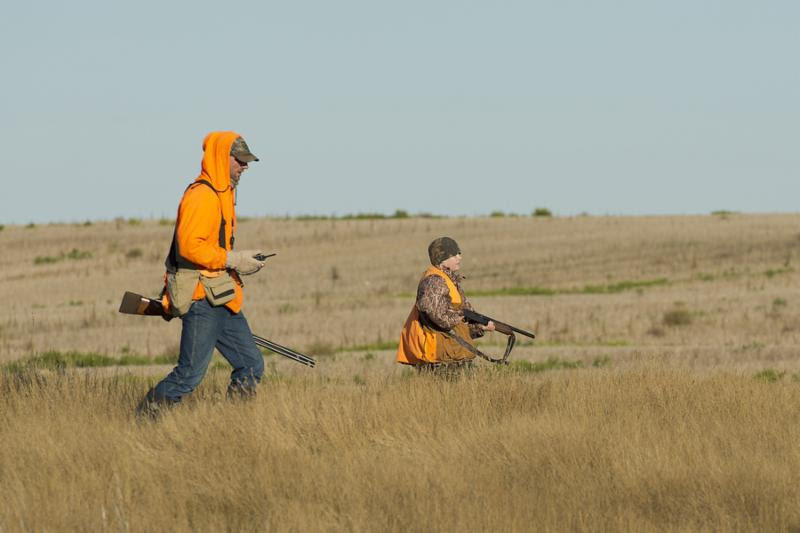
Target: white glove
x=243, y=261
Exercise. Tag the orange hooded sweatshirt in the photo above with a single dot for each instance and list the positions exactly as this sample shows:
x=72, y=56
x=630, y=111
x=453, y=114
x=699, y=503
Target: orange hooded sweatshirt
x=197, y=229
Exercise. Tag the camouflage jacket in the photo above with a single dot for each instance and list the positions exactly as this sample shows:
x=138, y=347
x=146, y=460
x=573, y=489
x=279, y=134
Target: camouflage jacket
x=433, y=300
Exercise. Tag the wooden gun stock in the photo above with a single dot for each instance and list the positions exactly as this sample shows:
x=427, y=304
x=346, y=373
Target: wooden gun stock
x=136, y=304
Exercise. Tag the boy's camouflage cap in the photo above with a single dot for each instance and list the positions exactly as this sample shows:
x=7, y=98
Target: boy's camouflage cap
x=442, y=249
x=242, y=152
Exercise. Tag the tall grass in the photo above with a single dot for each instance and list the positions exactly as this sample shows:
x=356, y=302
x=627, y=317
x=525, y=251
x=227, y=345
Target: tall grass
x=652, y=449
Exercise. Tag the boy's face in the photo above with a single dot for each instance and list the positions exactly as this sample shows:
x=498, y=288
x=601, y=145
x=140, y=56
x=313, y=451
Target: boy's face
x=452, y=263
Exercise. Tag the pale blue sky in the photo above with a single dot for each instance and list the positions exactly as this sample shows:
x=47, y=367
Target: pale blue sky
x=451, y=107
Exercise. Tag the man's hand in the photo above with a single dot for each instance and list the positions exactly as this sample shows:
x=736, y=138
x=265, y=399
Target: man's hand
x=244, y=261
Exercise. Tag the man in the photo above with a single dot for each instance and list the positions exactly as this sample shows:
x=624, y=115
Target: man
x=203, y=287
x=435, y=334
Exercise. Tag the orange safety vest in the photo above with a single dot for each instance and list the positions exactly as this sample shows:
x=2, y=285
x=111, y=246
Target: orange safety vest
x=419, y=343
x=206, y=222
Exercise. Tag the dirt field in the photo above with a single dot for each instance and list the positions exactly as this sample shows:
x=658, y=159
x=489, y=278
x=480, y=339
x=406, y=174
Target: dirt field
x=702, y=291
x=660, y=393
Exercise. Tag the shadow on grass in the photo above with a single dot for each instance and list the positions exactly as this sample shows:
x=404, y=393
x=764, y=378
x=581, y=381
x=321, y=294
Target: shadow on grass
x=55, y=360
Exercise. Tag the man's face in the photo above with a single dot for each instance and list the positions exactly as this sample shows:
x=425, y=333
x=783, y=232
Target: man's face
x=237, y=167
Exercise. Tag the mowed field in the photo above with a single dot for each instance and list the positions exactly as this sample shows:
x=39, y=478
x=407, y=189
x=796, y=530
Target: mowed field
x=661, y=392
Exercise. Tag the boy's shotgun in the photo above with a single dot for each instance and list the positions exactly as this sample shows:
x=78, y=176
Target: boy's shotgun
x=502, y=327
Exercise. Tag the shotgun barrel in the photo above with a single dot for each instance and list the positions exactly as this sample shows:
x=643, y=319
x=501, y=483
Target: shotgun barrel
x=284, y=351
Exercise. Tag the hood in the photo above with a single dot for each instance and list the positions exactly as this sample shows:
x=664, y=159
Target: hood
x=215, y=167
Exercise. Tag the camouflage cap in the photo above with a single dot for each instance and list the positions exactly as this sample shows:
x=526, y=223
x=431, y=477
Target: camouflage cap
x=442, y=249
x=242, y=152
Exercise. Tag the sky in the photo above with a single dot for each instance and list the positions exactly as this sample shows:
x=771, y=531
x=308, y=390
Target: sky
x=452, y=107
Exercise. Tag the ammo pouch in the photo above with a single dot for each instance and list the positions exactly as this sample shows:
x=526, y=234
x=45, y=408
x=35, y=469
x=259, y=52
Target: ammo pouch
x=180, y=288
x=219, y=289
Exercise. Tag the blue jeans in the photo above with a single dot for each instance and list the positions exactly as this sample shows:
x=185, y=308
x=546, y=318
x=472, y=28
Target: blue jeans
x=204, y=328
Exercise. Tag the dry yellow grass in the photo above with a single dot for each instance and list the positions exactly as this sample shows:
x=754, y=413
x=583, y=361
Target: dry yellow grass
x=636, y=450
x=663, y=426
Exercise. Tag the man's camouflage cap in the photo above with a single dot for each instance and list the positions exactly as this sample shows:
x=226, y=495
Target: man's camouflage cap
x=242, y=152
x=442, y=249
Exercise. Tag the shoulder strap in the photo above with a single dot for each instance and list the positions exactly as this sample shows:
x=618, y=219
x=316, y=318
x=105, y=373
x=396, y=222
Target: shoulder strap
x=223, y=222
x=464, y=344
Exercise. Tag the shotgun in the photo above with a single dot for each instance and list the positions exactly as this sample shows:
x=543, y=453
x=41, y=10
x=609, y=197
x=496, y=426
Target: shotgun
x=502, y=327
x=136, y=304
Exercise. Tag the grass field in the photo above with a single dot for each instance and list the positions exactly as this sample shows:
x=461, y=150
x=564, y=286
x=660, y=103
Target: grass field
x=660, y=393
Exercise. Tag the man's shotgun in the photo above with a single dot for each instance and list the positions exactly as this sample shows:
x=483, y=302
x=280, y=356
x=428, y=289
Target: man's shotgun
x=136, y=304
